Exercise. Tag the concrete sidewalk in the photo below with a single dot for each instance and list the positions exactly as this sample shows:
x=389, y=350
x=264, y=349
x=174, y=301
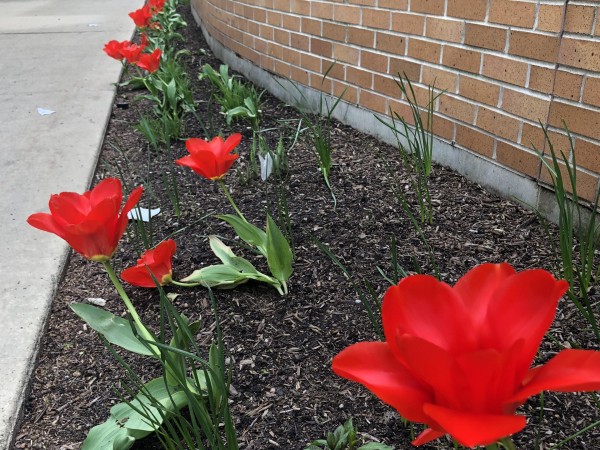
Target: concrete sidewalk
x=52, y=59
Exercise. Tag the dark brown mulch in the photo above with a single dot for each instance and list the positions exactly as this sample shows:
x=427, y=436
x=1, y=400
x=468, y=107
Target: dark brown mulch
x=285, y=392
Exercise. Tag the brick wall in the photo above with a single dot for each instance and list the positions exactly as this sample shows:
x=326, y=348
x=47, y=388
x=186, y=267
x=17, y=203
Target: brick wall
x=505, y=65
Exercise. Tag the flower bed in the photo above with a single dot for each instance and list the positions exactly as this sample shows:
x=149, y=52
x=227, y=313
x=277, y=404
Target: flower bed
x=284, y=393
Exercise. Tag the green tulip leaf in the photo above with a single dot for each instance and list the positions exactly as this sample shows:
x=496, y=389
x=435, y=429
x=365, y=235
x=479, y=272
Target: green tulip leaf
x=219, y=275
x=143, y=416
x=115, y=329
x=247, y=232
x=227, y=257
x=279, y=254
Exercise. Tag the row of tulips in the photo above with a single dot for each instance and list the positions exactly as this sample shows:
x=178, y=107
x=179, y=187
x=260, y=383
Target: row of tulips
x=458, y=359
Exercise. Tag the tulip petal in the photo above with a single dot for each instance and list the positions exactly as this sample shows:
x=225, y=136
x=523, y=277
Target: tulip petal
x=523, y=308
x=422, y=306
x=427, y=436
x=569, y=371
x=373, y=365
x=108, y=189
x=45, y=222
x=477, y=287
x=232, y=142
x=472, y=429
x=426, y=361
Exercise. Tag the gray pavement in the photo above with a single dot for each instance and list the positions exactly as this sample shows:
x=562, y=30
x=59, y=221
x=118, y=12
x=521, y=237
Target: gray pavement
x=52, y=59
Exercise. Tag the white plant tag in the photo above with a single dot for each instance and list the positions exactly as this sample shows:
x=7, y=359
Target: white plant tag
x=143, y=214
x=266, y=166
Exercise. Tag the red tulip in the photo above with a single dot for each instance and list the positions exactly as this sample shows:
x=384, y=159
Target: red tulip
x=149, y=61
x=142, y=17
x=90, y=223
x=156, y=6
x=459, y=358
x=153, y=263
x=113, y=49
x=211, y=159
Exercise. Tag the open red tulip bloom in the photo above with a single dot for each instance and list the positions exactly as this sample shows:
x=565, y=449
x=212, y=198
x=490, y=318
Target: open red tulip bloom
x=211, y=159
x=458, y=359
x=90, y=223
x=155, y=263
x=149, y=61
x=142, y=17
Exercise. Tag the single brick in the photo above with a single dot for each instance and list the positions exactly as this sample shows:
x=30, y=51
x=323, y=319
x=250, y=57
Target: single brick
x=300, y=7
x=580, y=53
x=345, y=53
x=292, y=56
x=579, y=19
x=372, y=101
x=424, y=50
x=291, y=23
x=282, y=68
x=400, y=109
x=310, y=62
x=359, y=77
x=334, y=31
x=444, y=29
x=282, y=5
x=505, y=69
x=474, y=140
x=518, y=159
x=533, y=45
x=428, y=6
x=275, y=50
x=462, y=59
x=408, y=23
x=532, y=137
x=321, y=10
x=259, y=15
x=376, y=18
x=347, y=14
x=373, y=61
x=580, y=120
x=587, y=155
x=526, y=106
x=398, y=5
x=442, y=127
x=281, y=36
x=348, y=93
x=550, y=18
x=335, y=70
x=512, y=12
x=441, y=79
x=457, y=109
x=591, y=91
x=311, y=26
x=299, y=75
x=497, y=123
x=401, y=67
x=568, y=85
x=267, y=32
x=360, y=36
x=467, y=9
x=391, y=43
x=386, y=85
x=485, y=36
x=274, y=18
x=321, y=47
x=363, y=2
x=300, y=41
x=479, y=90
x=541, y=79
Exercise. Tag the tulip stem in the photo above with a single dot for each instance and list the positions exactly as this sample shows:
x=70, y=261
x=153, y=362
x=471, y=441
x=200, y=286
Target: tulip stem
x=134, y=315
x=228, y=195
